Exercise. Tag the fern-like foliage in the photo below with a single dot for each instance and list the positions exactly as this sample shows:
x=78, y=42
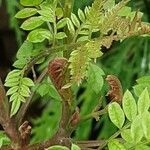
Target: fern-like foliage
x=19, y=89
x=102, y=17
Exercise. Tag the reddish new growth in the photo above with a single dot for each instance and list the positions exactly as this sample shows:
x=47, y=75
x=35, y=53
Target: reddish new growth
x=115, y=94
x=56, y=70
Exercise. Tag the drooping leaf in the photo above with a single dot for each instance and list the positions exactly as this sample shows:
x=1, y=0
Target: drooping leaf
x=15, y=107
x=129, y=106
x=116, y=114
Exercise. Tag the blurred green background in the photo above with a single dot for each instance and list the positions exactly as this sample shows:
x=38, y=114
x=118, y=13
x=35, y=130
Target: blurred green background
x=128, y=60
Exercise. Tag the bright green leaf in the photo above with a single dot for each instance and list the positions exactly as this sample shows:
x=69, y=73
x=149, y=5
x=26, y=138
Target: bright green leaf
x=26, y=12
x=27, y=81
x=136, y=129
x=20, y=63
x=116, y=114
x=25, y=51
x=81, y=15
x=12, y=82
x=115, y=145
x=39, y=35
x=13, y=74
x=30, y=2
x=57, y=147
x=61, y=23
x=143, y=102
x=129, y=105
x=95, y=79
x=47, y=14
x=32, y=23
x=75, y=20
x=12, y=90
x=60, y=35
x=24, y=91
x=75, y=147
x=146, y=124
x=15, y=107
x=142, y=147
x=70, y=26
x=126, y=135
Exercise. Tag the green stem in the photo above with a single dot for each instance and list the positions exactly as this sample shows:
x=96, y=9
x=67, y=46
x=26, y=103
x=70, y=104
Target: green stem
x=114, y=135
x=68, y=7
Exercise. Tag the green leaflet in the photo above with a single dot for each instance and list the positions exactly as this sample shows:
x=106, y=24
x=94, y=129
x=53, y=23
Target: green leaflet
x=94, y=78
x=26, y=12
x=129, y=106
x=70, y=26
x=116, y=114
x=81, y=15
x=142, y=83
x=15, y=106
x=75, y=20
x=32, y=23
x=39, y=35
x=126, y=135
x=60, y=35
x=30, y=2
x=19, y=89
x=47, y=14
x=25, y=51
x=143, y=102
x=61, y=23
x=136, y=129
x=4, y=140
x=57, y=147
x=115, y=145
x=75, y=147
x=146, y=124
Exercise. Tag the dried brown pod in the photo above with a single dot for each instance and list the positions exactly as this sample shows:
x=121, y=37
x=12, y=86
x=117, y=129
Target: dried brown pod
x=75, y=118
x=56, y=70
x=116, y=93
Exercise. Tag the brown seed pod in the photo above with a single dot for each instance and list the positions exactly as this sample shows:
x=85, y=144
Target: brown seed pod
x=56, y=70
x=115, y=94
x=75, y=118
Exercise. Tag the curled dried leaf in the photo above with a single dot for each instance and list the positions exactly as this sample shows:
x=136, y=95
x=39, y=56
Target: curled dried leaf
x=56, y=71
x=115, y=94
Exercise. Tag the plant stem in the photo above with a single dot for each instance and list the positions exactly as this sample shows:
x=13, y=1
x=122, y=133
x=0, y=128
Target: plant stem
x=68, y=7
